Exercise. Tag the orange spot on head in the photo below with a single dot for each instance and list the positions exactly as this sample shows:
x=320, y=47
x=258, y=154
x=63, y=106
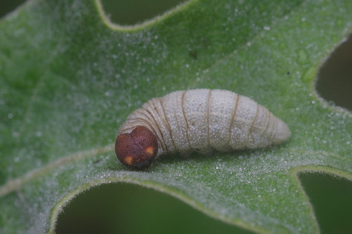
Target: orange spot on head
x=128, y=160
x=149, y=150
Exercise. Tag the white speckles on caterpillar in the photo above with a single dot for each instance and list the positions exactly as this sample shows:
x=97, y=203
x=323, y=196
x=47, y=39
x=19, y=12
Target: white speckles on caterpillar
x=196, y=120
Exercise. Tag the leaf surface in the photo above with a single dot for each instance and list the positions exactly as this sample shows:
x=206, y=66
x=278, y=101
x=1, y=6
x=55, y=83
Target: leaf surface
x=68, y=80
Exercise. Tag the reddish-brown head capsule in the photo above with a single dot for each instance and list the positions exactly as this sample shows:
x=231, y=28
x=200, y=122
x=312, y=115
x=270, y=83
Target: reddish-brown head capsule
x=137, y=149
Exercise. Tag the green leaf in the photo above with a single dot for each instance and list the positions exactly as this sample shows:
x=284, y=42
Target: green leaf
x=68, y=80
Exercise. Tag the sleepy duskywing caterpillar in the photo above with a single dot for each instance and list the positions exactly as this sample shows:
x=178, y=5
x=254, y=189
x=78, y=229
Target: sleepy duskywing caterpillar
x=196, y=120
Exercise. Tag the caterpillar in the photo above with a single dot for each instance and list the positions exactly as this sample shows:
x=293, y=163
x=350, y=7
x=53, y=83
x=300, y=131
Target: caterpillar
x=196, y=120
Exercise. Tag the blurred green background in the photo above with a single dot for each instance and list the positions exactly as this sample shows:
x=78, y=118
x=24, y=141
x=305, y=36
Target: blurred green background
x=125, y=208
